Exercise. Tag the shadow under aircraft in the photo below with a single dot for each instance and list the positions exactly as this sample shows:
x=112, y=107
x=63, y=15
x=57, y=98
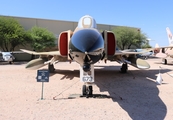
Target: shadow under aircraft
x=134, y=91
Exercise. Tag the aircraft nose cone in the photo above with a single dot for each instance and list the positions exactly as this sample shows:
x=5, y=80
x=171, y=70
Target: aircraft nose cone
x=87, y=40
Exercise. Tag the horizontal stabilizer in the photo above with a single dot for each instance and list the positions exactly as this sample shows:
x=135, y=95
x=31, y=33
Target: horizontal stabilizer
x=35, y=64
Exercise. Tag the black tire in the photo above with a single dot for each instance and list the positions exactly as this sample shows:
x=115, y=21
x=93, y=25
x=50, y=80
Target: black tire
x=84, y=90
x=51, y=68
x=165, y=62
x=90, y=90
x=124, y=68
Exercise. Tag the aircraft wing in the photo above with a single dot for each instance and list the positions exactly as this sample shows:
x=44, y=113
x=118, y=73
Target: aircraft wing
x=165, y=47
x=161, y=52
x=44, y=58
x=41, y=53
x=128, y=53
x=158, y=47
x=127, y=57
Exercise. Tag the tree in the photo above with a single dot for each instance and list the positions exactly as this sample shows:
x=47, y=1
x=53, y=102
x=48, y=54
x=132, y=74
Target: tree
x=12, y=34
x=127, y=37
x=41, y=38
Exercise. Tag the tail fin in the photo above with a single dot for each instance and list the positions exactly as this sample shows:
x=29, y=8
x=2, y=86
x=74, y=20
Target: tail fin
x=156, y=49
x=157, y=45
x=170, y=37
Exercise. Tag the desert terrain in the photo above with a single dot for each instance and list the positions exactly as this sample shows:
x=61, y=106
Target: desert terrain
x=133, y=95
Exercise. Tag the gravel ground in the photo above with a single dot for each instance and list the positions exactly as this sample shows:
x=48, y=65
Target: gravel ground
x=134, y=95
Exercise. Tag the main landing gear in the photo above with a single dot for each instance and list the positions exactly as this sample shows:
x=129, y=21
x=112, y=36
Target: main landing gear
x=124, y=68
x=164, y=61
x=51, y=68
x=87, y=91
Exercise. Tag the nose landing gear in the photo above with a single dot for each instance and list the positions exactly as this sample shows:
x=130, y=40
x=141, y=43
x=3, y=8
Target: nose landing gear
x=88, y=78
x=87, y=91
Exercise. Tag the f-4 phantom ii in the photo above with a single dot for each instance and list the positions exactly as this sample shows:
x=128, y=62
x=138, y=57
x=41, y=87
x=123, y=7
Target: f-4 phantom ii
x=86, y=46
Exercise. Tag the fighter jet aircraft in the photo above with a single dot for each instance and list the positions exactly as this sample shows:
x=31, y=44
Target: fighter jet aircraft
x=7, y=56
x=86, y=46
x=165, y=52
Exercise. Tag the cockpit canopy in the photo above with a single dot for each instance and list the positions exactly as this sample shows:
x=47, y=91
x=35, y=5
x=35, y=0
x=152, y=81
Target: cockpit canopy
x=87, y=22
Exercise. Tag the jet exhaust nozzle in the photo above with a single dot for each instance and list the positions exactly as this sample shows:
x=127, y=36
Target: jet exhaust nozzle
x=35, y=64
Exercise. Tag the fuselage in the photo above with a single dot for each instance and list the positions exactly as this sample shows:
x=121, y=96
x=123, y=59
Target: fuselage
x=169, y=52
x=86, y=44
x=164, y=53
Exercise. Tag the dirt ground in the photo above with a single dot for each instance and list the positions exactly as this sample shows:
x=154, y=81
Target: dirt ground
x=134, y=95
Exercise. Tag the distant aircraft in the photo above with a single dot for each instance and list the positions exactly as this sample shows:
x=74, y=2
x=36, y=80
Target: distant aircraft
x=7, y=56
x=145, y=53
x=86, y=46
x=165, y=52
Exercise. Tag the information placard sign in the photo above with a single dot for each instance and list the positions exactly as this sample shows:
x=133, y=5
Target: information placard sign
x=42, y=75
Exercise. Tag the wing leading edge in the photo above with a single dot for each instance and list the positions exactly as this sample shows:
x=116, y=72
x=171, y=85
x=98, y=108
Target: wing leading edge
x=127, y=57
x=41, y=53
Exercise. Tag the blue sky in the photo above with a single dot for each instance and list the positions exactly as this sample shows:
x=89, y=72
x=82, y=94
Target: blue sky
x=152, y=16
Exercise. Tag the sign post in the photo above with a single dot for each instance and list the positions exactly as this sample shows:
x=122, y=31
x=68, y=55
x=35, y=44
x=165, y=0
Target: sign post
x=42, y=76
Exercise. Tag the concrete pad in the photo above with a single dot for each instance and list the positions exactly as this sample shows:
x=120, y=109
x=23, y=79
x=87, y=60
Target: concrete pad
x=134, y=95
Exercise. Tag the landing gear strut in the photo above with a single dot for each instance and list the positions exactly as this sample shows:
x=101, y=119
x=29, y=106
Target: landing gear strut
x=88, y=78
x=51, y=68
x=124, y=68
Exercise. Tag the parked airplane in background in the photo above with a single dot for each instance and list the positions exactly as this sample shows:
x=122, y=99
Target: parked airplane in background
x=86, y=45
x=7, y=56
x=145, y=53
x=165, y=52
